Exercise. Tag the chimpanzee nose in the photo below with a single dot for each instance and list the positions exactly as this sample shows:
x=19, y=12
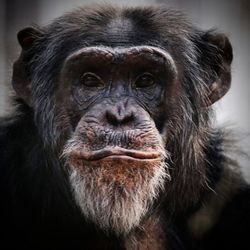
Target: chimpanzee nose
x=120, y=114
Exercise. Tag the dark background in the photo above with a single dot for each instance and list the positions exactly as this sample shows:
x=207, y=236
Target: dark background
x=229, y=16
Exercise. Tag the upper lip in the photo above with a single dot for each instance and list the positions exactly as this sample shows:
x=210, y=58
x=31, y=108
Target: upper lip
x=115, y=151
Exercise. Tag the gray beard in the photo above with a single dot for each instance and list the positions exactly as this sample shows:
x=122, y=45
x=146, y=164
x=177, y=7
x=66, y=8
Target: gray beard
x=113, y=206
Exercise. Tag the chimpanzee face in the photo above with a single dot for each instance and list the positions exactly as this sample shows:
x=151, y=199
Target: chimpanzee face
x=116, y=152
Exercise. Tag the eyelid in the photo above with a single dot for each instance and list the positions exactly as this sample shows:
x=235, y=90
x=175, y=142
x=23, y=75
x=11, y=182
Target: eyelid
x=90, y=74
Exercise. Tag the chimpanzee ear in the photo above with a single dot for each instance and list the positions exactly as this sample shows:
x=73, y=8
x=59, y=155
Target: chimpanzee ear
x=21, y=75
x=27, y=36
x=218, y=58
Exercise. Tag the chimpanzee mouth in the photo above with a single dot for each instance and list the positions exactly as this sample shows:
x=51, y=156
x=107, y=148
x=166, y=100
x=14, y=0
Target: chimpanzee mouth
x=116, y=152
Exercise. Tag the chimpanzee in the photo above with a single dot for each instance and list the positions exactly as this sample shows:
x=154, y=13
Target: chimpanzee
x=111, y=145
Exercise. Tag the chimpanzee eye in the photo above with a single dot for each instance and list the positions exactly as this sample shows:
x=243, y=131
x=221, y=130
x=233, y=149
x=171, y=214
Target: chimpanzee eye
x=145, y=80
x=91, y=80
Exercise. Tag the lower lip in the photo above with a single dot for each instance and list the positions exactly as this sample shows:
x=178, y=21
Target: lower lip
x=116, y=153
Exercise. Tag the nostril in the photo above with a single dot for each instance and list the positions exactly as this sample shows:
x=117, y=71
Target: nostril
x=111, y=118
x=119, y=118
x=128, y=118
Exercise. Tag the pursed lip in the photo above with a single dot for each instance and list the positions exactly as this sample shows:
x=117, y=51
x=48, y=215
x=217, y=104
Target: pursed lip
x=115, y=152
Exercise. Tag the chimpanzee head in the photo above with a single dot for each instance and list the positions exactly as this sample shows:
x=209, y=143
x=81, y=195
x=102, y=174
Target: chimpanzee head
x=122, y=96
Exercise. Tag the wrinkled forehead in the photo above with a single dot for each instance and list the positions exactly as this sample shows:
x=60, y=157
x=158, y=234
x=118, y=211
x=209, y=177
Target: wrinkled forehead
x=122, y=55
